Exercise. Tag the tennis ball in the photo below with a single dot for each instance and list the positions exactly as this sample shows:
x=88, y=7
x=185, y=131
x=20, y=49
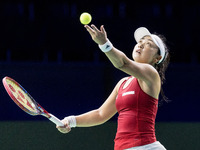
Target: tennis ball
x=85, y=18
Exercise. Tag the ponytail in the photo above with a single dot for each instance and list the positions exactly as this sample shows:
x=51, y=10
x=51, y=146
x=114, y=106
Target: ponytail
x=161, y=68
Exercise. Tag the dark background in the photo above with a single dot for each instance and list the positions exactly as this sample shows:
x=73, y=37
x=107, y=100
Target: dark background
x=47, y=50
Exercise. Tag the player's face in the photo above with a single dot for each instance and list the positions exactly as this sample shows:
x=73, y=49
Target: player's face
x=146, y=51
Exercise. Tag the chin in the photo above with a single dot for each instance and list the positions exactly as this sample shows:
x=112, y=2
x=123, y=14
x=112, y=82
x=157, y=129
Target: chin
x=139, y=61
x=136, y=59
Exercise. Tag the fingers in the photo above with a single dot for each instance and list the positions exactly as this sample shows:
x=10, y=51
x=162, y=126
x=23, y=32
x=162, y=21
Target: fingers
x=95, y=28
x=98, y=35
x=89, y=29
x=66, y=128
x=103, y=29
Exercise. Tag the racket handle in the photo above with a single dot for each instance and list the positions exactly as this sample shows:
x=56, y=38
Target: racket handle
x=55, y=120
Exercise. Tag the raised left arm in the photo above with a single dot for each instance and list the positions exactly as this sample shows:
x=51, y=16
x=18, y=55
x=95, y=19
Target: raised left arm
x=144, y=72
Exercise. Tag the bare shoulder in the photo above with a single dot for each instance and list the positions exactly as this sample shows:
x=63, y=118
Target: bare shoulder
x=150, y=74
x=149, y=67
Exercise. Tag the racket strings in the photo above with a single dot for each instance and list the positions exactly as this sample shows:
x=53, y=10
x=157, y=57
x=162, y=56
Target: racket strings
x=23, y=99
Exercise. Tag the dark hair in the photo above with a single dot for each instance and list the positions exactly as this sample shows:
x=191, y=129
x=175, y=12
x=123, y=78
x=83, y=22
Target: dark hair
x=161, y=68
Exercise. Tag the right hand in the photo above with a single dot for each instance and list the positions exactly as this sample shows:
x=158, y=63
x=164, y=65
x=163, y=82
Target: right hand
x=66, y=128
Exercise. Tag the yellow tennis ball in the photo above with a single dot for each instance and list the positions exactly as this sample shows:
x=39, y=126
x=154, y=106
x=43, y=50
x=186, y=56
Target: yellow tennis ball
x=85, y=18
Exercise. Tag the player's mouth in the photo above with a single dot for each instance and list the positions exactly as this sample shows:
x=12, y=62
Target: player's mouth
x=138, y=51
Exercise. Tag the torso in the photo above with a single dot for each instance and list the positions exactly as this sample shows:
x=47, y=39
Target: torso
x=152, y=91
x=137, y=111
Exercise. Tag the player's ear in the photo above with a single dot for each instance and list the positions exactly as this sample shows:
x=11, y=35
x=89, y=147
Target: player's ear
x=157, y=58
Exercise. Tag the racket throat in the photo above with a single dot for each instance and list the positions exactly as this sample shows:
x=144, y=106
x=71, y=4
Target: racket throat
x=46, y=115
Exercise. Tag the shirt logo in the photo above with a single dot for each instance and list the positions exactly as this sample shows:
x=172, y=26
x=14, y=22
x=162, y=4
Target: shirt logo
x=128, y=93
x=107, y=46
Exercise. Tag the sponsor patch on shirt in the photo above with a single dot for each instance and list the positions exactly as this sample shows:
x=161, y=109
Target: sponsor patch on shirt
x=128, y=93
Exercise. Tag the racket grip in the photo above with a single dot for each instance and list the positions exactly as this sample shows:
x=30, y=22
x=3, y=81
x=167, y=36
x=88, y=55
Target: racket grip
x=55, y=120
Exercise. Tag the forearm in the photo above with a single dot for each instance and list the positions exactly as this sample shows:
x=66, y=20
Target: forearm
x=91, y=118
x=117, y=58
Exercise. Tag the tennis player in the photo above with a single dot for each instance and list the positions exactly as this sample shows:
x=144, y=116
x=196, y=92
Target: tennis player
x=135, y=97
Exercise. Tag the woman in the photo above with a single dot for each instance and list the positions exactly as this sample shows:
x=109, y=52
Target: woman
x=135, y=98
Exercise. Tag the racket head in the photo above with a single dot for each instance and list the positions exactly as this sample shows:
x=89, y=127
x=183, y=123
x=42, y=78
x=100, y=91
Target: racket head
x=20, y=96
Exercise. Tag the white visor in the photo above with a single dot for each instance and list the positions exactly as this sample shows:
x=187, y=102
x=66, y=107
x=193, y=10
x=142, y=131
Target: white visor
x=142, y=31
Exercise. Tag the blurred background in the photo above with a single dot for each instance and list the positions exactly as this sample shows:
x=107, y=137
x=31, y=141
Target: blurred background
x=47, y=50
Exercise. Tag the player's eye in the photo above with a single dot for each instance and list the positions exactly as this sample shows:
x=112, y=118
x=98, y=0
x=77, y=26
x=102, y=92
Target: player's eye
x=148, y=43
x=140, y=41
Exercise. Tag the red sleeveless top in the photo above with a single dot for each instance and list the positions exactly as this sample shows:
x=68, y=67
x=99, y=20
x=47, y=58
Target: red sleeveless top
x=136, y=121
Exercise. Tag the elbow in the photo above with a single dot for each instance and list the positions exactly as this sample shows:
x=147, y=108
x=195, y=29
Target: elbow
x=121, y=63
x=119, y=66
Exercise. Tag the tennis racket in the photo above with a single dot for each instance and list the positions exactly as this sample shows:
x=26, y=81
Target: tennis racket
x=25, y=101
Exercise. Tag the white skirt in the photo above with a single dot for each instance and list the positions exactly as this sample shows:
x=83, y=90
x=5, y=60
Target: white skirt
x=153, y=146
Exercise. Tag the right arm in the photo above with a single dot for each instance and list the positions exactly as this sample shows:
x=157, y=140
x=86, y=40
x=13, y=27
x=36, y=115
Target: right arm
x=97, y=116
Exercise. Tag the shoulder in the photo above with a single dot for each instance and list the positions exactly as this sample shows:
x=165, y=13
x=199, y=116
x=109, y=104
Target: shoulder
x=150, y=74
x=149, y=68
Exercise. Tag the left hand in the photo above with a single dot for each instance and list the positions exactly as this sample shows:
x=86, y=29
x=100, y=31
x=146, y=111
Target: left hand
x=98, y=36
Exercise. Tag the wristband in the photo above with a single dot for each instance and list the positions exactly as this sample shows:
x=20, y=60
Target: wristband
x=72, y=121
x=106, y=47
